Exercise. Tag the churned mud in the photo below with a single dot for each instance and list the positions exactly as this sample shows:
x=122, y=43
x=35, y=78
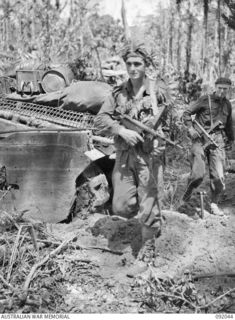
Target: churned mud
x=188, y=244
x=92, y=270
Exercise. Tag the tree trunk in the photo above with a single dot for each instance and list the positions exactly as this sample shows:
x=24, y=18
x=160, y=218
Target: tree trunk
x=57, y=4
x=124, y=21
x=171, y=29
x=164, y=43
x=47, y=35
x=95, y=48
x=71, y=14
x=179, y=37
x=205, y=39
x=6, y=24
x=189, y=44
x=27, y=30
x=189, y=37
x=219, y=34
x=214, y=60
x=33, y=24
x=81, y=44
x=228, y=49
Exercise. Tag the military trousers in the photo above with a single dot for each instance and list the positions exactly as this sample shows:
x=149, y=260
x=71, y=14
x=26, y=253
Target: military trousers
x=216, y=162
x=138, y=186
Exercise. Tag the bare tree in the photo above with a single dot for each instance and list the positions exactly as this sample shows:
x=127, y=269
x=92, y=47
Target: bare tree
x=124, y=21
x=205, y=31
x=190, y=23
x=219, y=34
x=179, y=36
x=171, y=35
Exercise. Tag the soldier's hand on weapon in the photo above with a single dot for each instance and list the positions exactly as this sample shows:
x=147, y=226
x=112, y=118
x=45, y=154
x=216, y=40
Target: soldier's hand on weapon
x=193, y=133
x=131, y=137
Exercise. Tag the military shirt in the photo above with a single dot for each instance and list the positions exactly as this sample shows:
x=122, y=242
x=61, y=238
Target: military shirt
x=122, y=101
x=221, y=110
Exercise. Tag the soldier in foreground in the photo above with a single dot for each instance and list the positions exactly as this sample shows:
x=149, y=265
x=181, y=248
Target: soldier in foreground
x=208, y=110
x=138, y=172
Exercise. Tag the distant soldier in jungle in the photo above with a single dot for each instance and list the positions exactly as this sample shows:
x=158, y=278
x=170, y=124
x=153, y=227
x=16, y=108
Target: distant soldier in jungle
x=208, y=110
x=138, y=172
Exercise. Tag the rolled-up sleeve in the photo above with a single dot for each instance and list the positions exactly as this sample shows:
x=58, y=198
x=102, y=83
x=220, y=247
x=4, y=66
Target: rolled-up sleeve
x=194, y=108
x=105, y=123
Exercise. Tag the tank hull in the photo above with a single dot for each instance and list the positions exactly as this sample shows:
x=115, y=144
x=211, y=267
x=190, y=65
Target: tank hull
x=44, y=165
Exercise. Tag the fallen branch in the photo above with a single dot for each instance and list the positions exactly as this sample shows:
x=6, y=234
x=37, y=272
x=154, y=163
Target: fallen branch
x=73, y=259
x=169, y=295
x=178, y=297
x=105, y=249
x=102, y=249
x=44, y=241
x=5, y=193
x=79, y=246
x=218, y=298
x=13, y=254
x=30, y=302
x=211, y=275
x=39, y=264
x=6, y=283
x=192, y=304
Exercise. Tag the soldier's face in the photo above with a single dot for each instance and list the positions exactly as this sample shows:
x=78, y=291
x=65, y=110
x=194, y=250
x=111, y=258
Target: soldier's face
x=135, y=68
x=222, y=90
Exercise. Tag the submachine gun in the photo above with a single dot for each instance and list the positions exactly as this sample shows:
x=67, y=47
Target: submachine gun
x=140, y=127
x=209, y=141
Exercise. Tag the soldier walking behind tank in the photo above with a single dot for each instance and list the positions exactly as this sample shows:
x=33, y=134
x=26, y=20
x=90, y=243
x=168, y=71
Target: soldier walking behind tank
x=138, y=172
x=209, y=109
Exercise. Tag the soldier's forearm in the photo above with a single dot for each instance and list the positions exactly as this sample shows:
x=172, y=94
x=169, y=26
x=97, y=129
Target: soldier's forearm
x=105, y=124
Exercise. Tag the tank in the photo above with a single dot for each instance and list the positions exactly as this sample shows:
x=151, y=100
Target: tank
x=57, y=79
x=49, y=154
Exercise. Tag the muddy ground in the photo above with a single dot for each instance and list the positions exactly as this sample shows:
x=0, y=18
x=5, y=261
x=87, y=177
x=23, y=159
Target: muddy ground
x=198, y=246
x=90, y=276
x=188, y=244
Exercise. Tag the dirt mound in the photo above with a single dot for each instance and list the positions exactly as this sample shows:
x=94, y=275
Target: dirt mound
x=109, y=246
x=199, y=246
x=120, y=234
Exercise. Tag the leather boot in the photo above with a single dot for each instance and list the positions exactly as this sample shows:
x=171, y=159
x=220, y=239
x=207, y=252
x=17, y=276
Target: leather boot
x=146, y=255
x=149, y=235
x=216, y=210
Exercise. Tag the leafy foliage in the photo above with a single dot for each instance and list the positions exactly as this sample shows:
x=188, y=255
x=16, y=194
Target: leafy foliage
x=50, y=32
x=230, y=19
x=40, y=33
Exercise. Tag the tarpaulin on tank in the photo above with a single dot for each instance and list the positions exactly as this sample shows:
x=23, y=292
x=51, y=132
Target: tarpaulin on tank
x=81, y=96
x=85, y=96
